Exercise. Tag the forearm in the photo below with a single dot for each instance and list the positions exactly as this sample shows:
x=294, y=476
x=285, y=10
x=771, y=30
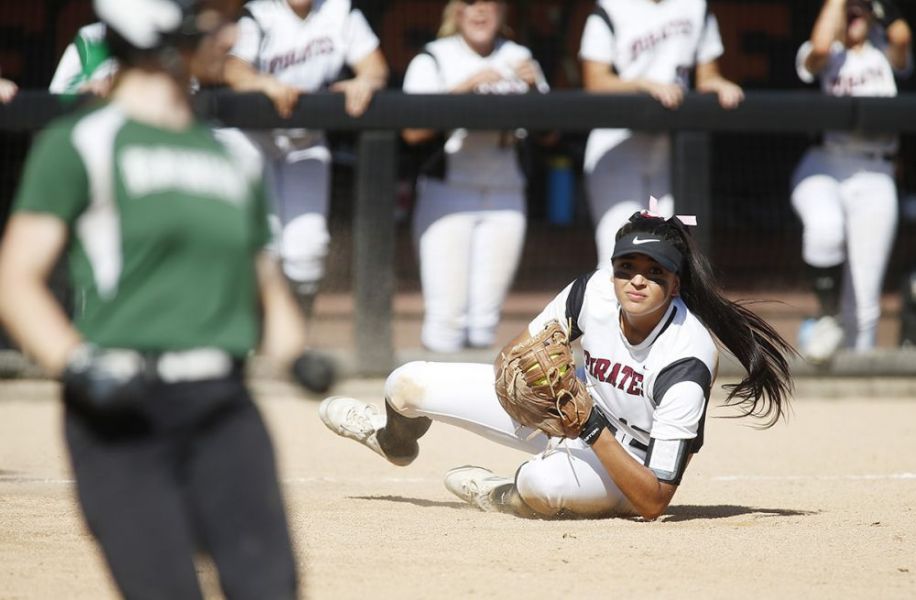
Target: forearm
x=35, y=320
x=899, y=38
x=639, y=484
x=373, y=70
x=829, y=26
x=610, y=83
x=242, y=77
x=283, y=327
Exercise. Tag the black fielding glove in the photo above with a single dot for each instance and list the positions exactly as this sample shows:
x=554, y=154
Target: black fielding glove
x=105, y=383
x=594, y=425
x=314, y=371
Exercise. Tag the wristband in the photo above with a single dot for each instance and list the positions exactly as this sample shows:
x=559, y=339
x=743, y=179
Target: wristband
x=594, y=425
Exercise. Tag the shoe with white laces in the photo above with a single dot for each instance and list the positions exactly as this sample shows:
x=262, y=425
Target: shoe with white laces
x=359, y=421
x=823, y=340
x=476, y=486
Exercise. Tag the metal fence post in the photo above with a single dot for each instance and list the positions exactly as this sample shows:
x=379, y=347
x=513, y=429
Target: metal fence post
x=690, y=175
x=373, y=235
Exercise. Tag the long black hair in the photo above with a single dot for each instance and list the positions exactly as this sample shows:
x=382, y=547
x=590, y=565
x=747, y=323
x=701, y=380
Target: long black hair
x=764, y=392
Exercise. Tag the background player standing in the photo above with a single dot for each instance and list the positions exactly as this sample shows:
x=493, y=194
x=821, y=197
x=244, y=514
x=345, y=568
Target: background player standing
x=164, y=228
x=469, y=224
x=286, y=48
x=844, y=190
x=647, y=330
x=648, y=46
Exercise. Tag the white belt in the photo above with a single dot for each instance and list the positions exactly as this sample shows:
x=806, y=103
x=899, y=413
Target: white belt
x=192, y=365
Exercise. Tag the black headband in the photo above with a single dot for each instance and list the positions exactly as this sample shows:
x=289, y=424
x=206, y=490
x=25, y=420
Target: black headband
x=653, y=246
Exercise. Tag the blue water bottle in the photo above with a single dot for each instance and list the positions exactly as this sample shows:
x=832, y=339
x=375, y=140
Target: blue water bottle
x=560, y=196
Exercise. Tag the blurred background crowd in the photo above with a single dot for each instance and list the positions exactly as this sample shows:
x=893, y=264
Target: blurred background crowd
x=757, y=235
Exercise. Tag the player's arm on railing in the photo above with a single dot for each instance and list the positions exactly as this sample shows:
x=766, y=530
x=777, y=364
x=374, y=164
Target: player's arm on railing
x=829, y=27
x=600, y=77
x=243, y=77
x=29, y=312
x=710, y=80
x=371, y=75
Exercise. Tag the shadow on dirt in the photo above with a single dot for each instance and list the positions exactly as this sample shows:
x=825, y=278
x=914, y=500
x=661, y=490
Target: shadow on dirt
x=414, y=501
x=686, y=512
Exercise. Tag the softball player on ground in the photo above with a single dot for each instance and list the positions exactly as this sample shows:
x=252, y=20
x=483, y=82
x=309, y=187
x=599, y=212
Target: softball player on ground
x=164, y=228
x=287, y=48
x=469, y=224
x=844, y=189
x=648, y=326
x=86, y=64
x=648, y=46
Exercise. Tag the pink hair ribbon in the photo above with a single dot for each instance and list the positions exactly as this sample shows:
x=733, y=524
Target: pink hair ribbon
x=653, y=212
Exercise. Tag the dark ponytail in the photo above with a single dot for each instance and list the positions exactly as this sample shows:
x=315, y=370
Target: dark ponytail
x=765, y=391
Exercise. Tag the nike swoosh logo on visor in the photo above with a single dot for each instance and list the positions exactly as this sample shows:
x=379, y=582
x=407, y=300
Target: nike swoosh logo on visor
x=637, y=241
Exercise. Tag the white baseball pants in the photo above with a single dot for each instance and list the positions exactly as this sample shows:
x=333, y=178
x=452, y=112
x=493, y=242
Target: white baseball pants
x=620, y=177
x=562, y=476
x=469, y=242
x=848, y=207
x=298, y=169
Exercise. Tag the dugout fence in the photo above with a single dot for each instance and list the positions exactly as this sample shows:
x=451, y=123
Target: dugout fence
x=730, y=168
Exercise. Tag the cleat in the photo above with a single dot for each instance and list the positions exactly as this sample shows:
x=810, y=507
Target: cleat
x=823, y=340
x=359, y=421
x=475, y=485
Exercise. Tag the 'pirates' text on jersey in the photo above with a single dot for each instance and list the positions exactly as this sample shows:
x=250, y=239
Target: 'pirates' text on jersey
x=655, y=389
x=865, y=71
x=164, y=227
x=659, y=41
x=474, y=158
x=305, y=53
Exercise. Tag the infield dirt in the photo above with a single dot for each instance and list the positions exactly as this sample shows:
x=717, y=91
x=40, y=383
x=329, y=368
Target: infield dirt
x=822, y=505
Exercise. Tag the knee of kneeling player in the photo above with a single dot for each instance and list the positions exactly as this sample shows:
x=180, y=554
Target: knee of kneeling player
x=405, y=388
x=542, y=494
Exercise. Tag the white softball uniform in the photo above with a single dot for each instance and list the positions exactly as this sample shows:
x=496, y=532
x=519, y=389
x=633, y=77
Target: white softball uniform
x=661, y=41
x=844, y=190
x=470, y=226
x=654, y=393
x=309, y=54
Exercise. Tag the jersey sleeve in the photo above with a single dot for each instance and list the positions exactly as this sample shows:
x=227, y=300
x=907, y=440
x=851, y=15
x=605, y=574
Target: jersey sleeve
x=248, y=42
x=67, y=72
x=710, y=46
x=54, y=179
x=422, y=76
x=803, y=73
x=681, y=391
x=597, y=40
x=359, y=38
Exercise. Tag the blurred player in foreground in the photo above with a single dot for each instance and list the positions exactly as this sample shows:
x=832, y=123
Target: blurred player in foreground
x=292, y=47
x=649, y=324
x=469, y=224
x=652, y=47
x=164, y=229
x=844, y=190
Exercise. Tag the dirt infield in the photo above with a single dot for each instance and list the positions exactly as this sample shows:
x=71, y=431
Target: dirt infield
x=824, y=505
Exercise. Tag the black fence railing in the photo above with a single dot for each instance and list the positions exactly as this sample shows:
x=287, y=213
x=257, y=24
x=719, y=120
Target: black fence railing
x=570, y=111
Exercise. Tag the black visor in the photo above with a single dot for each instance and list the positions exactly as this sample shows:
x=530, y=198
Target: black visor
x=653, y=246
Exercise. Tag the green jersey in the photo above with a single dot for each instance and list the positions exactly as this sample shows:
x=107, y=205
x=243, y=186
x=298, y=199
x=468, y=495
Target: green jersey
x=164, y=228
x=85, y=59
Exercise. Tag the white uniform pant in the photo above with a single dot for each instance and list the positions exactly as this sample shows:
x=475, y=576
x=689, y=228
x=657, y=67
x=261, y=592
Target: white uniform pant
x=620, y=177
x=848, y=207
x=298, y=170
x=562, y=476
x=469, y=241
